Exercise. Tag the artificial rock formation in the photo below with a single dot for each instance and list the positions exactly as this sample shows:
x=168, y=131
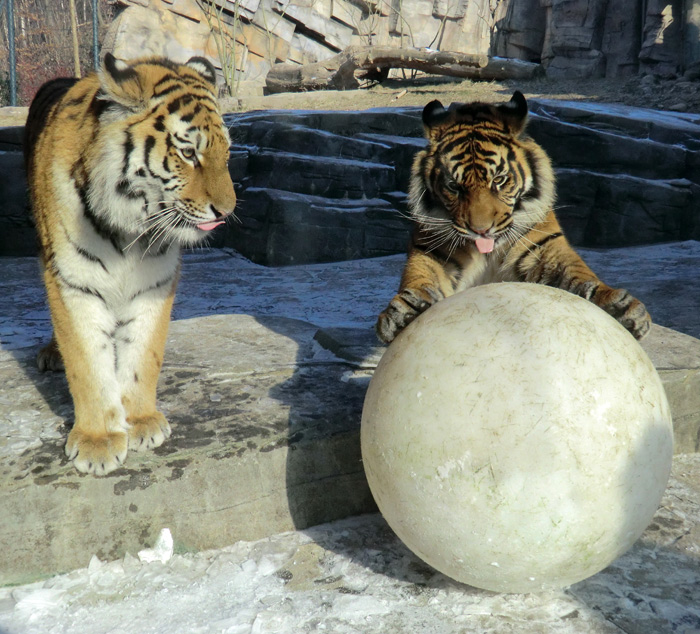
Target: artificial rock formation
x=571, y=38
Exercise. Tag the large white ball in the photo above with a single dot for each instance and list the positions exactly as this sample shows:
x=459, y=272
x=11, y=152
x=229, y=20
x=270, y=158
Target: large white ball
x=516, y=437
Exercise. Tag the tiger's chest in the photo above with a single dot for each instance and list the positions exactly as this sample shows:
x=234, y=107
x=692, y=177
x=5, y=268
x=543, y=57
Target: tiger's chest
x=469, y=268
x=119, y=281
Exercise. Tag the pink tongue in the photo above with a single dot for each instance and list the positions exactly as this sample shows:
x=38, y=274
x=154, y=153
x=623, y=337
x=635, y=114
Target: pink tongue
x=485, y=245
x=208, y=226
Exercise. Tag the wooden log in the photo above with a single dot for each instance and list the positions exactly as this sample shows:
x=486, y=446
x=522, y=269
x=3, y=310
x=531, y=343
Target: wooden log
x=338, y=72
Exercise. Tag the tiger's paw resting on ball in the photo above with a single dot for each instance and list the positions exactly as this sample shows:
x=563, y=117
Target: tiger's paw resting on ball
x=97, y=453
x=403, y=309
x=626, y=308
x=148, y=432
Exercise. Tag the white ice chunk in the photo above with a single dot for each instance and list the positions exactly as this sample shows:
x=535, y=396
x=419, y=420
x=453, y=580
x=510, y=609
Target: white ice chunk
x=162, y=551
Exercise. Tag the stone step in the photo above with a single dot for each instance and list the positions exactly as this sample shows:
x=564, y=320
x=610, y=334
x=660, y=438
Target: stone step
x=319, y=175
x=578, y=146
x=609, y=210
x=674, y=128
x=399, y=121
x=299, y=139
x=280, y=228
x=622, y=181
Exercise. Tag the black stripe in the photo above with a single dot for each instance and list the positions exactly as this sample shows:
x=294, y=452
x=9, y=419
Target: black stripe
x=38, y=116
x=128, y=149
x=82, y=289
x=174, y=105
x=534, y=191
x=98, y=224
x=124, y=189
x=90, y=256
x=154, y=287
x=99, y=105
x=538, y=245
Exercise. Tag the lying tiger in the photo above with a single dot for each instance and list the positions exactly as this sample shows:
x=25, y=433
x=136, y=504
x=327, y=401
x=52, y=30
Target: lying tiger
x=481, y=197
x=124, y=167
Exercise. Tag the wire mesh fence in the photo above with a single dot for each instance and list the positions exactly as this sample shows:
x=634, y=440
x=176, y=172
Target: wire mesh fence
x=43, y=39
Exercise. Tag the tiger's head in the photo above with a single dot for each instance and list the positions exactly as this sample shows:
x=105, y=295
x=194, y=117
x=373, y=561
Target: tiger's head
x=158, y=165
x=481, y=180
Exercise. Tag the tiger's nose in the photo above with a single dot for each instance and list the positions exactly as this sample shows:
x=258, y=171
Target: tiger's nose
x=221, y=212
x=482, y=230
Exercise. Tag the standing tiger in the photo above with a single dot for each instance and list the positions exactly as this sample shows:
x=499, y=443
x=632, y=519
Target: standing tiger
x=124, y=167
x=481, y=197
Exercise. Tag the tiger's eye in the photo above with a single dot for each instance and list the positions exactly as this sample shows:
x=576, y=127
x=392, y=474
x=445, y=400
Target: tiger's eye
x=500, y=180
x=188, y=152
x=451, y=185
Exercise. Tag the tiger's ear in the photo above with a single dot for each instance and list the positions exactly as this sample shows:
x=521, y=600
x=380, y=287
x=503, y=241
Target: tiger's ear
x=434, y=114
x=204, y=67
x=121, y=83
x=515, y=113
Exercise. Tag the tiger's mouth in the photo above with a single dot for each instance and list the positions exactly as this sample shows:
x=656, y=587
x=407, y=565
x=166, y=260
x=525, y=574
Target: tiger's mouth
x=208, y=226
x=484, y=243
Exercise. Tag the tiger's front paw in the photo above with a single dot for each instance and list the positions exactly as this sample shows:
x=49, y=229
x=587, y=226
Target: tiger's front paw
x=402, y=310
x=628, y=310
x=97, y=453
x=49, y=358
x=148, y=432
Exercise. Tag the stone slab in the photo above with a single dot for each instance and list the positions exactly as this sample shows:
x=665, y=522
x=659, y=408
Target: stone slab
x=263, y=441
x=355, y=575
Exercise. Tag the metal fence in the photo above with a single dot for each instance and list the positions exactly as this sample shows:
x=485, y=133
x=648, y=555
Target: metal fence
x=42, y=39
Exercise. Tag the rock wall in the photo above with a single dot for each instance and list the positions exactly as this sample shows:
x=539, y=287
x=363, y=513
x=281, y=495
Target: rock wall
x=572, y=38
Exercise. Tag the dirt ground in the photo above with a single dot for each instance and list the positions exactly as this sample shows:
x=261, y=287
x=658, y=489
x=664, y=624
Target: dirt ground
x=647, y=92
x=677, y=95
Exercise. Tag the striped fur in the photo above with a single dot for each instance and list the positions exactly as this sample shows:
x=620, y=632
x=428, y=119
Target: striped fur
x=124, y=167
x=482, y=199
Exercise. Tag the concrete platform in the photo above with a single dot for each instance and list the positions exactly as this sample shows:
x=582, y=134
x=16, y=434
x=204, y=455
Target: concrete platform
x=263, y=383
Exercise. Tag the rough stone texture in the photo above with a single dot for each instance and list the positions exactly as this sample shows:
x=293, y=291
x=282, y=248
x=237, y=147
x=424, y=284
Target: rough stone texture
x=17, y=234
x=573, y=38
x=141, y=30
x=214, y=482
x=661, y=39
x=592, y=38
x=621, y=38
x=282, y=228
x=264, y=380
x=520, y=33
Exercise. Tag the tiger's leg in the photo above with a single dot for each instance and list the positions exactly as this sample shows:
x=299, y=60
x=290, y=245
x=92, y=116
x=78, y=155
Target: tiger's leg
x=98, y=442
x=551, y=260
x=424, y=282
x=141, y=345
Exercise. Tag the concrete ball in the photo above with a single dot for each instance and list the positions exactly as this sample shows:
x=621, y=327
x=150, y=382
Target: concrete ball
x=516, y=437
